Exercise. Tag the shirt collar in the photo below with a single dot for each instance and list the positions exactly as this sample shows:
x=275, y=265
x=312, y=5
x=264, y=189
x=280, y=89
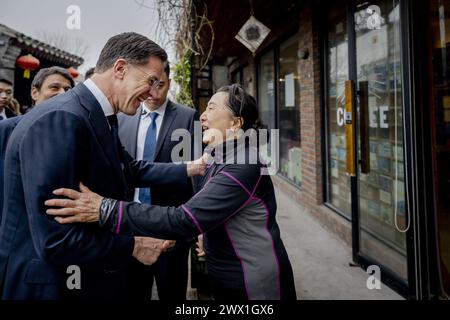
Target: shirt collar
x=100, y=96
x=3, y=113
x=160, y=111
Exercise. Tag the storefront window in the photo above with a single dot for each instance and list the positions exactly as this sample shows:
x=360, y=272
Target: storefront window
x=266, y=90
x=382, y=211
x=289, y=111
x=279, y=103
x=338, y=191
x=375, y=68
x=246, y=75
x=236, y=77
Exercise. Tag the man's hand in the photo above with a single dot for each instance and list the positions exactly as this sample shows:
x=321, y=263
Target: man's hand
x=147, y=250
x=168, y=244
x=197, y=167
x=200, y=247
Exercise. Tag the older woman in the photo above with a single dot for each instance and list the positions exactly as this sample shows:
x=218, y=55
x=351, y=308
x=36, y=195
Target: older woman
x=235, y=209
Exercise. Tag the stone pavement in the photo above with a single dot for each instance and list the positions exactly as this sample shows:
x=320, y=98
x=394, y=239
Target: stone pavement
x=321, y=260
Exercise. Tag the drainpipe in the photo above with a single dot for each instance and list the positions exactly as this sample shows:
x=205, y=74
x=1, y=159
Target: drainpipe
x=193, y=22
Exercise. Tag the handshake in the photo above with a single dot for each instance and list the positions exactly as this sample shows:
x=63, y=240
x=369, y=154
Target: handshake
x=147, y=250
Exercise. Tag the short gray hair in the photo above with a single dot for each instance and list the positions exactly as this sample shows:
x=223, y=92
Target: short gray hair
x=40, y=77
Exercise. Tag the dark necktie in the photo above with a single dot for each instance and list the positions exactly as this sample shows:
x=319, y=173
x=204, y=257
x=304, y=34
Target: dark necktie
x=114, y=125
x=112, y=120
x=149, y=151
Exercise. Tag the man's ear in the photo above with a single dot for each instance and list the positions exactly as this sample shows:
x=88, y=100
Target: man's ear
x=34, y=93
x=119, y=68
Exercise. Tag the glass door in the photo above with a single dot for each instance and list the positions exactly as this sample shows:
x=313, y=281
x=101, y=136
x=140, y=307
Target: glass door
x=338, y=182
x=382, y=221
x=364, y=69
x=440, y=125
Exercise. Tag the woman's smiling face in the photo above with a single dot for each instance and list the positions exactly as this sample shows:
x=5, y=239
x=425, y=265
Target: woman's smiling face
x=216, y=119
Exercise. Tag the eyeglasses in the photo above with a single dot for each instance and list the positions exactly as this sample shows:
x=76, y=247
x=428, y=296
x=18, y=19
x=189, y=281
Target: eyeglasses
x=152, y=81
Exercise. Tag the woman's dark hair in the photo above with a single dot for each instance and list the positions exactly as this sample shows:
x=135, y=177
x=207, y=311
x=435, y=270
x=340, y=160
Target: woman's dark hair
x=242, y=105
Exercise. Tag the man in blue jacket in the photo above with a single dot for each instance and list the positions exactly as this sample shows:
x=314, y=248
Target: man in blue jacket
x=69, y=139
x=47, y=83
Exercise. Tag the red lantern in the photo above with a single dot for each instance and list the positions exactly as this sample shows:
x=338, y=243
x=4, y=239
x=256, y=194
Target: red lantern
x=73, y=72
x=28, y=62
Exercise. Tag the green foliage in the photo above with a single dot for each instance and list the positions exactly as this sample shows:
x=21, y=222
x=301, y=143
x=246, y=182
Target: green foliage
x=182, y=76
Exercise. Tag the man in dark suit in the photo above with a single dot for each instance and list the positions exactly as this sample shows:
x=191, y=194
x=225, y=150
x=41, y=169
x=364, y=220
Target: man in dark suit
x=69, y=139
x=47, y=83
x=164, y=117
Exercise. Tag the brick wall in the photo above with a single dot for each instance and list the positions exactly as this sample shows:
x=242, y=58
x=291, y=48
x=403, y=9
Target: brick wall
x=309, y=72
x=310, y=195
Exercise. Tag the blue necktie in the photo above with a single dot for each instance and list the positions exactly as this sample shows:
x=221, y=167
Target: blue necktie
x=149, y=151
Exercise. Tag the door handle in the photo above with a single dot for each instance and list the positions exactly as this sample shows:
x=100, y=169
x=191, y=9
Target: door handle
x=363, y=94
x=350, y=132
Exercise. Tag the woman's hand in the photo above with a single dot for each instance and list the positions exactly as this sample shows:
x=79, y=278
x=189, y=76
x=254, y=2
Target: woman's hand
x=168, y=244
x=197, y=167
x=81, y=206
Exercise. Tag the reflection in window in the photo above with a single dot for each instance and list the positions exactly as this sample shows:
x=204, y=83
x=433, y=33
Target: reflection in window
x=266, y=90
x=279, y=104
x=382, y=211
x=338, y=187
x=289, y=111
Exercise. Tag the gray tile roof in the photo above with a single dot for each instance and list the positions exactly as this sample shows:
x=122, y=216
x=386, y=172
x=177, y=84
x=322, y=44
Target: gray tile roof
x=41, y=49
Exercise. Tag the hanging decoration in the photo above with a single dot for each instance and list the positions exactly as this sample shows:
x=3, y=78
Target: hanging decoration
x=28, y=63
x=252, y=33
x=73, y=72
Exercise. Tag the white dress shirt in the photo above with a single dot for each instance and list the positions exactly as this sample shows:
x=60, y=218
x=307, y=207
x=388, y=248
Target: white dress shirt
x=144, y=124
x=3, y=113
x=100, y=96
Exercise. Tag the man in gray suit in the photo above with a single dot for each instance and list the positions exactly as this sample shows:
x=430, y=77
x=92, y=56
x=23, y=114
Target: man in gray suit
x=147, y=135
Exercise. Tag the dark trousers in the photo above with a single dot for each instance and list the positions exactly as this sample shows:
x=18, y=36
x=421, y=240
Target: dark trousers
x=170, y=273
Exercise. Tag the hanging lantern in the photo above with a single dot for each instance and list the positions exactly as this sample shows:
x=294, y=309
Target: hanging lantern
x=73, y=72
x=29, y=63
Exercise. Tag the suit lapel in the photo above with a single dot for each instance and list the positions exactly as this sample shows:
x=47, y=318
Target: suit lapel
x=169, y=116
x=100, y=126
x=130, y=130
